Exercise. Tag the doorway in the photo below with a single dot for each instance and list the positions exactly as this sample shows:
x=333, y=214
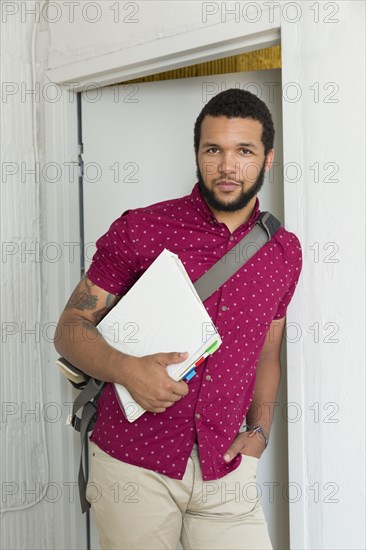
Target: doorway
x=138, y=150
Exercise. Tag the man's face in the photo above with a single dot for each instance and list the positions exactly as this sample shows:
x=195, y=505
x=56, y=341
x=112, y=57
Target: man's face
x=230, y=162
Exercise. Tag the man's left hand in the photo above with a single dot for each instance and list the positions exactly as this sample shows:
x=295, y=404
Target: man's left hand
x=247, y=443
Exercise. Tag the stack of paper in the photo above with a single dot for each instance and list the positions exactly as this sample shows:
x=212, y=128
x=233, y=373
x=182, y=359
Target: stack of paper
x=162, y=312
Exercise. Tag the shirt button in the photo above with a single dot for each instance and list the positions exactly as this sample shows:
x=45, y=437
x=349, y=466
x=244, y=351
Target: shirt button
x=224, y=308
x=198, y=416
x=232, y=237
x=208, y=377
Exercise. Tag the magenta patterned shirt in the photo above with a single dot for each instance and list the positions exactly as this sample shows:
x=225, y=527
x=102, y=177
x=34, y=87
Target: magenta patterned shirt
x=242, y=309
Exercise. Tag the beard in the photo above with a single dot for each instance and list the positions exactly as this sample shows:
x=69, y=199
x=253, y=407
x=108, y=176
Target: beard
x=244, y=198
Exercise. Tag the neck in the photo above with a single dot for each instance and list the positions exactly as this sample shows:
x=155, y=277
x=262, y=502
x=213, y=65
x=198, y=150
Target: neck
x=233, y=220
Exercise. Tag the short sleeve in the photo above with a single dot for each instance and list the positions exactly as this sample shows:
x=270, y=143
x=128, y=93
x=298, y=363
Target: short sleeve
x=294, y=258
x=114, y=265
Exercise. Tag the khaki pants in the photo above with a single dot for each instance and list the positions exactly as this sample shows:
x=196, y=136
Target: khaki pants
x=137, y=508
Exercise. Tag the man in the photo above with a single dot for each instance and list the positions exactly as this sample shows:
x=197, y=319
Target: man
x=182, y=471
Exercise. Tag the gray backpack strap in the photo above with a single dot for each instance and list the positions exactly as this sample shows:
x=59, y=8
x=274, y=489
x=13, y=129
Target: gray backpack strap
x=87, y=400
x=86, y=424
x=264, y=228
x=91, y=389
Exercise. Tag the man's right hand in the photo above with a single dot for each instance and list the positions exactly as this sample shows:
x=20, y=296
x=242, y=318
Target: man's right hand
x=149, y=383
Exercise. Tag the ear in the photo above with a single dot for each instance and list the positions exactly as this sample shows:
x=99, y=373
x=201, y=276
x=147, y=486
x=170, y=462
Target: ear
x=269, y=160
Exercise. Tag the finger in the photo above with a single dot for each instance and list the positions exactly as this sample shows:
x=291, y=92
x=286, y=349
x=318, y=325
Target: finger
x=175, y=397
x=171, y=358
x=156, y=409
x=166, y=395
x=233, y=450
x=168, y=398
x=180, y=388
x=163, y=405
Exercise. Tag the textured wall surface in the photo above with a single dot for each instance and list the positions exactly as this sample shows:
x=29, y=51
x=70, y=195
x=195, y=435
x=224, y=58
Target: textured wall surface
x=26, y=516
x=327, y=374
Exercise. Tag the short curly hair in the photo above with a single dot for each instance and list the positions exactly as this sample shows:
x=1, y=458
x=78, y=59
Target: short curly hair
x=235, y=103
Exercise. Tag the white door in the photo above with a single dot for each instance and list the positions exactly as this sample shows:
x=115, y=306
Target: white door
x=138, y=150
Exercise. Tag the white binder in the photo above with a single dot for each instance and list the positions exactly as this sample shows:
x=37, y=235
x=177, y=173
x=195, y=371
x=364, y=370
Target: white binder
x=162, y=312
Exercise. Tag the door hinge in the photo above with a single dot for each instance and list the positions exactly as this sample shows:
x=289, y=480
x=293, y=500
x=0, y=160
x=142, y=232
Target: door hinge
x=80, y=159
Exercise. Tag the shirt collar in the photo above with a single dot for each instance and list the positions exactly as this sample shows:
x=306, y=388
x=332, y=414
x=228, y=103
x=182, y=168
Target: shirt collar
x=201, y=206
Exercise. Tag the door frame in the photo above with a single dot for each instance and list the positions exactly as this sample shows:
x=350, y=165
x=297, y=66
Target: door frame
x=62, y=224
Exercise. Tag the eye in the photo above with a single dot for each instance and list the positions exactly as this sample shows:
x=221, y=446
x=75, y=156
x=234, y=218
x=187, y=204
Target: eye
x=245, y=151
x=212, y=150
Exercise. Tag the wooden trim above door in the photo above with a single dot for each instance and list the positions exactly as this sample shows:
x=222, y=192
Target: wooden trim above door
x=257, y=60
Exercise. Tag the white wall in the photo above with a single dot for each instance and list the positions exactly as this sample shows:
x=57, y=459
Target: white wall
x=26, y=516
x=327, y=364
x=319, y=372
x=38, y=462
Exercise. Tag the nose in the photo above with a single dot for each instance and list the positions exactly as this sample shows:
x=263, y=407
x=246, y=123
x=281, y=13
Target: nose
x=228, y=163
